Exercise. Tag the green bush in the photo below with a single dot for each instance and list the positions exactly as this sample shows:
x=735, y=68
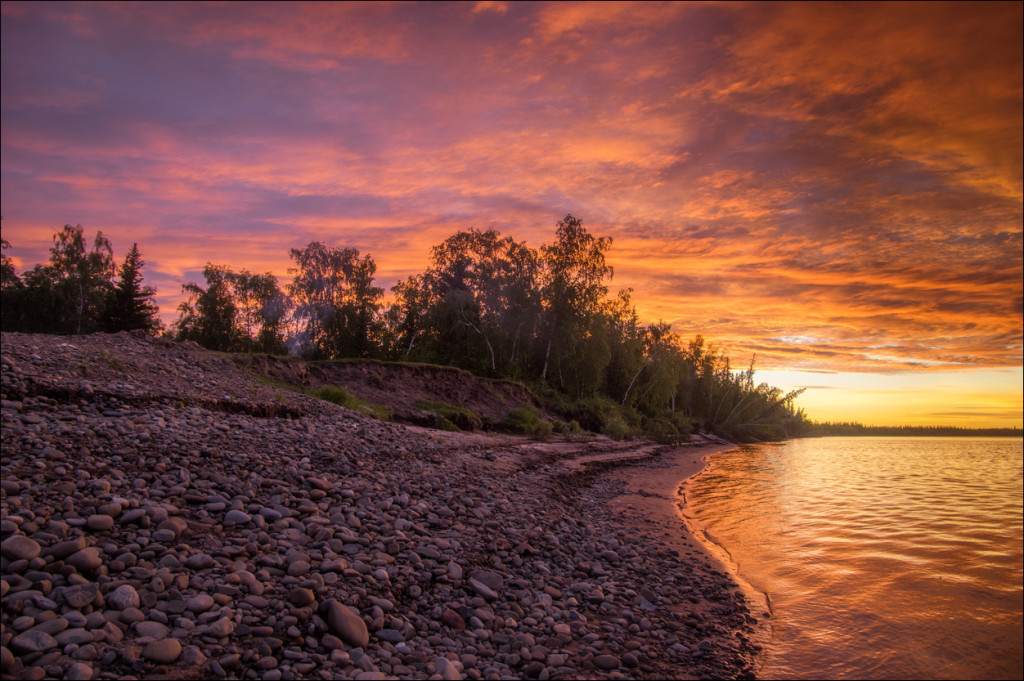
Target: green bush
x=615, y=427
x=526, y=421
x=441, y=423
x=662, y=430
x=541, y=430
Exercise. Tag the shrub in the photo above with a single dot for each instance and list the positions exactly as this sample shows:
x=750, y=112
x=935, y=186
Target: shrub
x=526, y=421
x=541, y=430
x=662, y=430
x=615, y=427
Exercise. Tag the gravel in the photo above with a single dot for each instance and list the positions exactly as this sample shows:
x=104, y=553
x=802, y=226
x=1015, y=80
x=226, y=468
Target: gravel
x=162, y=510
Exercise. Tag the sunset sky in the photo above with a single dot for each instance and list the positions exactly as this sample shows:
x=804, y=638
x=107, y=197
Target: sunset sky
x=834, y=187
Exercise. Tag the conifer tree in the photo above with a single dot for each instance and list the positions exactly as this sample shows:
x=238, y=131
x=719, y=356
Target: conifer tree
x=131, y=305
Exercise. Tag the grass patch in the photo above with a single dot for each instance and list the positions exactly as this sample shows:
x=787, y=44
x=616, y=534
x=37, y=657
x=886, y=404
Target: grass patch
x=458, y=418
x=336, y=394
x=526, y=421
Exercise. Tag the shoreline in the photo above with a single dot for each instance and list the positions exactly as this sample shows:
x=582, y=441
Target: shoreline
x=655, y=503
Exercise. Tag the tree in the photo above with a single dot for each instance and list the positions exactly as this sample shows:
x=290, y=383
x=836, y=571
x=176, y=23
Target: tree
x=131, y=305
x=11, y=292
x=406, y=317
x=38, y=305
x=8, y=277
x=574, y=272
x=336, y=303
x=82, y=277
x=484, y=297
x=262, y=309
x=208, y=317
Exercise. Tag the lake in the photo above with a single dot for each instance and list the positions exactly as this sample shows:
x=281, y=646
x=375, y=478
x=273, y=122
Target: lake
x=880, y=557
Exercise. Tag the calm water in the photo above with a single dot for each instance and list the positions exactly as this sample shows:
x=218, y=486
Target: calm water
x=881, y=557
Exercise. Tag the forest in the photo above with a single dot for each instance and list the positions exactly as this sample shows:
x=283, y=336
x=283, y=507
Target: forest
x=853, y=429
x=485, y=303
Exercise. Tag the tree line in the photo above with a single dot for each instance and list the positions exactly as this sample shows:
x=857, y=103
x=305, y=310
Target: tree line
x=80, y=290
x=485, y=302
x=854, y=429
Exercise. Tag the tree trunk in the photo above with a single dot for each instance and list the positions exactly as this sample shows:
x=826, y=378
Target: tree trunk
x=544, y=372
x=635, y=376
x=411, y=341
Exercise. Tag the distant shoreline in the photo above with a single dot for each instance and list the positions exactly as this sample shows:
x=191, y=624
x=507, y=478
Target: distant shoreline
x=859, y=430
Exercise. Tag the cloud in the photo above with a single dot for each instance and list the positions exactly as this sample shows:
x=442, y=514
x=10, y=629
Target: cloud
x=847, y=173
x=484, y=6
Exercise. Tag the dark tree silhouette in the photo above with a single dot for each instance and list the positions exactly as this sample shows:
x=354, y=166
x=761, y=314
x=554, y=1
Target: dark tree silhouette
x=208, y=316
x=336, y=303
x=82, y=277
x=131, y=305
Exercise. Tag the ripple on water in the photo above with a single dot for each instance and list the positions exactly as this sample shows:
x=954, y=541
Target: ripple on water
x=883, y=557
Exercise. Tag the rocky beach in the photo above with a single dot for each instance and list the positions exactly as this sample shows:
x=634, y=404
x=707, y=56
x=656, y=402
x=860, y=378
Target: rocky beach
x=167, y=515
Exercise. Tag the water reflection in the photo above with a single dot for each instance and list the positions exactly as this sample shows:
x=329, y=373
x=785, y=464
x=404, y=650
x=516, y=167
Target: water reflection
x=882, y=557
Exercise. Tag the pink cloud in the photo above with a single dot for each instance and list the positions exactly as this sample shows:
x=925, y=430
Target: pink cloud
x=848, y=173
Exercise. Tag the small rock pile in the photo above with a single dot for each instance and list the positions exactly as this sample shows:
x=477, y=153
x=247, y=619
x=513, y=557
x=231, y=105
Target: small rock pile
x=164, y=515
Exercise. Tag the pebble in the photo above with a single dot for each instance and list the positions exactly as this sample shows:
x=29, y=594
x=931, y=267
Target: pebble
x=200, y=561
x=483, y=589
x=349, y=626
x=300, y=596
x=237, y=545
x=20, y=547
x=199, y=603
x=86, y=560
x=33, y=641
x=123, y=597
x=99, y=522
x=163, y=651
x=79, y=595
x=235, y=517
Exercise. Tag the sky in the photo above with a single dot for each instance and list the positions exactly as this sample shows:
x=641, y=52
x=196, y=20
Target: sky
x=835, y=189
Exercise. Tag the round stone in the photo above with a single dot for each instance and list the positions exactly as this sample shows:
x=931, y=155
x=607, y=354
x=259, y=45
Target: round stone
x=200, y=561
x=235, y=517
x=20, y=547
x=298, y=568
x=163, y=536
x=349, y=626
x=164, y=651
x=150, y=629
x=199, y=603
x=79, y=671
x=86, y=559
x=99, y=523
x=300, y=597
x=33, y=641
x=124, y=597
